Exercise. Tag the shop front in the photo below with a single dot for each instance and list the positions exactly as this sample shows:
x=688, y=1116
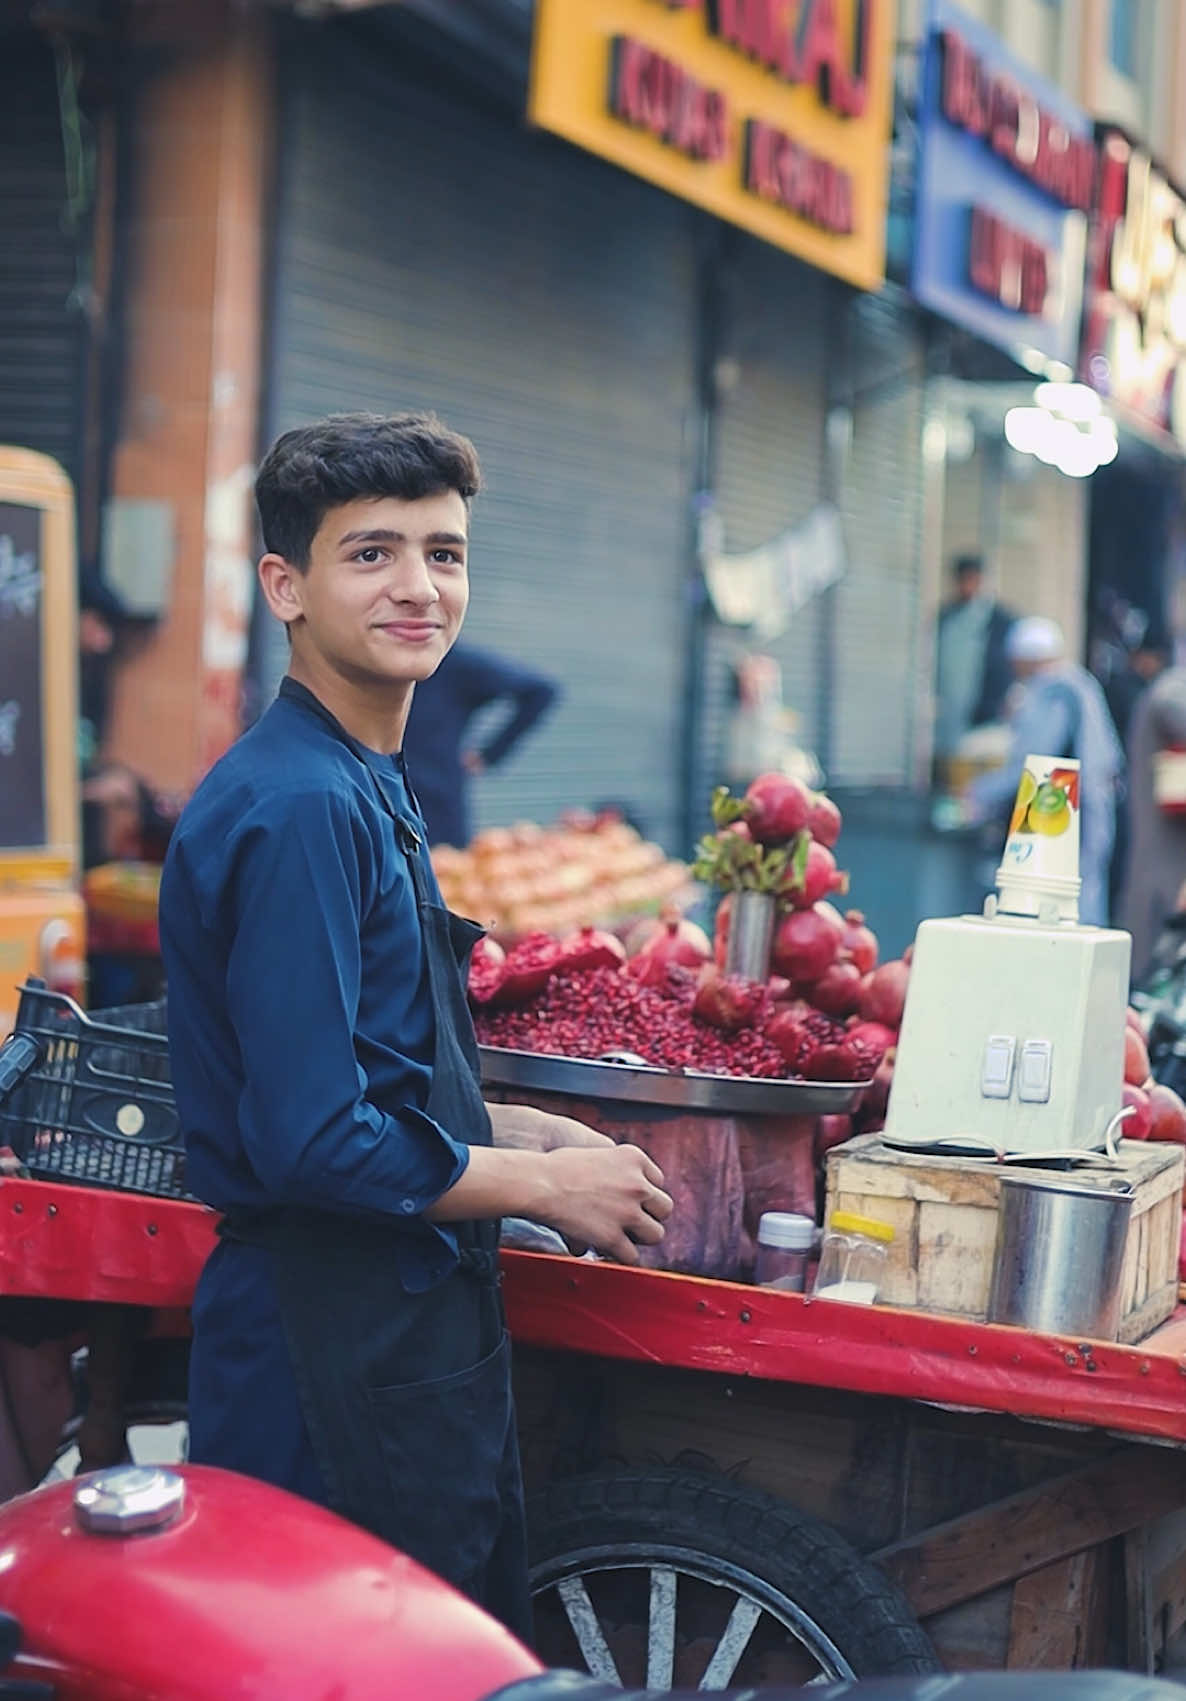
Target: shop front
x=639, y=331
x=1134, y=354
x=1006, y=177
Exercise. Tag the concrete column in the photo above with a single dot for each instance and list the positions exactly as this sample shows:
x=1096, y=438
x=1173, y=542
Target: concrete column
x=1092, y=16
x=193, y=317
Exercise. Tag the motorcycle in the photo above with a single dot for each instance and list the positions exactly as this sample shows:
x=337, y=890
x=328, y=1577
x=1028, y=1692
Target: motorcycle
x=193, y=1584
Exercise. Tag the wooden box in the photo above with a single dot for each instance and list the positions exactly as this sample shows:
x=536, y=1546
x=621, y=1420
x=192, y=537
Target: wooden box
x=945, y=1213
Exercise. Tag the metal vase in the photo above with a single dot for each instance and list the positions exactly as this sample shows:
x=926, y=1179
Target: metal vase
x=751, y=934
x=1060, y=1257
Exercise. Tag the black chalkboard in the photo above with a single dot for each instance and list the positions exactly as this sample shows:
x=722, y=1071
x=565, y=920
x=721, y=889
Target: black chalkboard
x=22, y=763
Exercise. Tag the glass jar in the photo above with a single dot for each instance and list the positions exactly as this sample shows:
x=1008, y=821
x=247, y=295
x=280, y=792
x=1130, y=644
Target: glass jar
x=785, y=1242
x=853, y=1258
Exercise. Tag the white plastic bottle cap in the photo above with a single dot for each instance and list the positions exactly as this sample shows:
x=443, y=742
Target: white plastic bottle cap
x=786, y=1230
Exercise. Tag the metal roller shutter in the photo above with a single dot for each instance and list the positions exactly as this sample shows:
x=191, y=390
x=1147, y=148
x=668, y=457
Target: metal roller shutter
x=428, y=254
x=40, y=333
x=769, y=469
x=876, y=653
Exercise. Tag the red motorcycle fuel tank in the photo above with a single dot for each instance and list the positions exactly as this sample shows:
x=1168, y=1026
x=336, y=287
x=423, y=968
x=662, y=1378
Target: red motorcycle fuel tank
x=194, y=1584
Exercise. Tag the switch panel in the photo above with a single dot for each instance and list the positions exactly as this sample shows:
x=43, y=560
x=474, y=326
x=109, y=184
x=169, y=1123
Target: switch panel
x=1033, y=1078
x=996, y=1073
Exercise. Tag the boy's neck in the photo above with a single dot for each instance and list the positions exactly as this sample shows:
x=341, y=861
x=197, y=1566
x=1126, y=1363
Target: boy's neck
x=375, y=717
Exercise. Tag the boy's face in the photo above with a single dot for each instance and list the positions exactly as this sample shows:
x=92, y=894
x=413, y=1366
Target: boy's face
x=386, y=588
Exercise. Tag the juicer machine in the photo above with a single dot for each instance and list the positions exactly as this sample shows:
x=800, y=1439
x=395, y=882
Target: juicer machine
x=1012, y=1041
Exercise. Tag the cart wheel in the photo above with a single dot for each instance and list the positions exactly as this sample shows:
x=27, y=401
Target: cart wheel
x=666, y=1578
x=157, y=1431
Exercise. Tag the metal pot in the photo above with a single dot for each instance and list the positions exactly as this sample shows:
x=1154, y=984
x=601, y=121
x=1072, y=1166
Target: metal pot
x=1060, y=1256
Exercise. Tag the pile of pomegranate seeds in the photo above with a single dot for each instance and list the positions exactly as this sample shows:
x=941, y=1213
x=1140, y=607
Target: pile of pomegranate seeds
x=603, y=1010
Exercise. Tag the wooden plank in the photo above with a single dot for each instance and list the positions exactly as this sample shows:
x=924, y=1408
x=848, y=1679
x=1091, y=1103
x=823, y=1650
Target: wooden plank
x=1026, y=1532
x=1051, y=1614
x=1138, y=1604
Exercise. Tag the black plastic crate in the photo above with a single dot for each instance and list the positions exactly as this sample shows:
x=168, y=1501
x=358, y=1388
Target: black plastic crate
x=97, y=1108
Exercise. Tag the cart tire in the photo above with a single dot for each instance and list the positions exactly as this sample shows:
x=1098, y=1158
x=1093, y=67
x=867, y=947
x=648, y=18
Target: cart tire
x=814, y=1608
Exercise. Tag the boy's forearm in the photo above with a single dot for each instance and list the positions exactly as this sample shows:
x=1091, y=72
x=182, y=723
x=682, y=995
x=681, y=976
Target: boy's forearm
x=497, y=1183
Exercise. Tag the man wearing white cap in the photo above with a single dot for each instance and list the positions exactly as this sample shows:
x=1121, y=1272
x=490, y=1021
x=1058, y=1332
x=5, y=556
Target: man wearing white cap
x=1060, y=711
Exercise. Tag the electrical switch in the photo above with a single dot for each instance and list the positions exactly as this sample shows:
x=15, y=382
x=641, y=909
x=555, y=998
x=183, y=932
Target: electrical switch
x=1033, y=1081
x=996, y=1075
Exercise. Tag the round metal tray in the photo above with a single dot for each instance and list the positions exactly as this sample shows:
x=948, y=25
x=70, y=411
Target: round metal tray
x=728, y=1094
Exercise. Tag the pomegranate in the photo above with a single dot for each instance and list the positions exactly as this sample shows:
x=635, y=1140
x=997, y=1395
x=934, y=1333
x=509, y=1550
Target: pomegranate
x=1134, y=1019
x=590, y=948
x=824, y=821
x=805, y=944
x=799, y=1037
x=1140, y=1124
x=820, y=878
x=874, y=1036
x=837, y=992
x=486, y=968
x=883, y=998
x=1136, y=1058
x=529, y=967
x=728, y=1002
x=859, y=943
x=677, y=941
x=831, y=1131
x=831, y=915
x=839, y=1062
x=875, y=1102
x=779, y=990
x=776, y=808
x=637, y=936
x=1168, y=1115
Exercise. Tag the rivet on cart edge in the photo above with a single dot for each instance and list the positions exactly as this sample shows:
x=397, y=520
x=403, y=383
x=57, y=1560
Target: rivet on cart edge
x=151, y=1228
x=18, y=1208
x=973, y=1350
x=745, y=1316
x=51, y=1210
x=1071, y=1358
x=1144, y=1367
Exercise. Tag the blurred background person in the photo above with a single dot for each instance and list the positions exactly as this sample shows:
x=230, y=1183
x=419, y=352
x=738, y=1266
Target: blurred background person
x=1059, y=711
x=1156, y=823
x=973, y=672
x=437, y=743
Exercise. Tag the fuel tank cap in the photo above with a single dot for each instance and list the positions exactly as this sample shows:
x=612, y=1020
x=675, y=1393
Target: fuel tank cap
x=128, y=1500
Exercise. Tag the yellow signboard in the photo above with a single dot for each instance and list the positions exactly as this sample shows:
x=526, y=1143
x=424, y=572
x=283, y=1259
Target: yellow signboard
x=772, y=114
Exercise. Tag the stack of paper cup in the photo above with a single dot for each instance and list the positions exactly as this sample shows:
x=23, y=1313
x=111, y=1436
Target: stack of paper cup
x=1041, y=860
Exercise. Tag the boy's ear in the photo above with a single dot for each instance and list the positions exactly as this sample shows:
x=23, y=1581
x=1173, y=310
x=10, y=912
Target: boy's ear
x=282, y=585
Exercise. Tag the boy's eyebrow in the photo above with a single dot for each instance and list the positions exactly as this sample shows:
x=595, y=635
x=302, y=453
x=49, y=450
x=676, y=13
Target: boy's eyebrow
x=385, y=536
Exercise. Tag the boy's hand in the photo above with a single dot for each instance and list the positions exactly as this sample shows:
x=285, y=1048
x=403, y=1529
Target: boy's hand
x=610, y=1198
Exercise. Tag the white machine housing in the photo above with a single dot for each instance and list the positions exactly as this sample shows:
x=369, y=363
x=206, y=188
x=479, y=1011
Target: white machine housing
x=1014, y=1033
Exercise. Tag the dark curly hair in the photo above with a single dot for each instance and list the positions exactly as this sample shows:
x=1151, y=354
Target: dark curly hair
x=308, y=471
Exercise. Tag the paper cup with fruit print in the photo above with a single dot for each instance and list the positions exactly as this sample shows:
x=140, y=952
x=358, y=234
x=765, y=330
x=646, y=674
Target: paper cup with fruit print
x=1041, y=860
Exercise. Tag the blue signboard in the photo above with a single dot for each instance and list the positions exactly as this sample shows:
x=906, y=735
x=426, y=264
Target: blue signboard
x=1005, y=184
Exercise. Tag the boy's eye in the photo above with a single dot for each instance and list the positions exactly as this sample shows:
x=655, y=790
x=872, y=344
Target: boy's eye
x=369, y=556
x=442, y=557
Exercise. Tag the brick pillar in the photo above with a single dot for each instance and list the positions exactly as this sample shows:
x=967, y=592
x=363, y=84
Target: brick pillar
x=189, y=423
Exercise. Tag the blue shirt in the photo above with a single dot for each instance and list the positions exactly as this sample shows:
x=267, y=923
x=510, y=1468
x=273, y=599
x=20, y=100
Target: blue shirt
x=300, y=1020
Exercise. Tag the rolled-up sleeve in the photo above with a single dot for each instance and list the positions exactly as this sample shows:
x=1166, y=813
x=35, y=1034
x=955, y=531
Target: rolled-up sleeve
x=293, y=980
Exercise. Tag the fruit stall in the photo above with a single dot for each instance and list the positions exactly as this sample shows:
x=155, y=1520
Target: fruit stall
x=737, y=1481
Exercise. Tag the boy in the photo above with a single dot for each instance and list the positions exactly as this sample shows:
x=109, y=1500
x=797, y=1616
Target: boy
x=348, y=1332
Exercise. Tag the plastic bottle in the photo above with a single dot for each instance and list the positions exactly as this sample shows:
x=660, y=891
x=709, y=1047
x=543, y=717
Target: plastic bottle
x=853, y=1258
x=785, y=1242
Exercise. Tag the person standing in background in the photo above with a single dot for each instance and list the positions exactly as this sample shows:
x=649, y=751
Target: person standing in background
x=440, y=761
x=1060, y=712
x=1157, y=838
x=973, y=673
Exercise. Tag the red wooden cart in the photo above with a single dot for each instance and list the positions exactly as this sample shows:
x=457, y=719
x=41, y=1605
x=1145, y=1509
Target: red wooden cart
x=731, y=1478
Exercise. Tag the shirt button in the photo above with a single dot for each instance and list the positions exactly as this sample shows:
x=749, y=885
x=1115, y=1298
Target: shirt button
x=408, y=1206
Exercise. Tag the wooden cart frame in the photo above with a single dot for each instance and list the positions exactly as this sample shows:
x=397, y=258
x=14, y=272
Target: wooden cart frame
x=1026, y=1493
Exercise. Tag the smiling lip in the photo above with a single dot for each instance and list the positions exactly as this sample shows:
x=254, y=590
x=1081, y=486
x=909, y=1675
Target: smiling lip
x=411, y=631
